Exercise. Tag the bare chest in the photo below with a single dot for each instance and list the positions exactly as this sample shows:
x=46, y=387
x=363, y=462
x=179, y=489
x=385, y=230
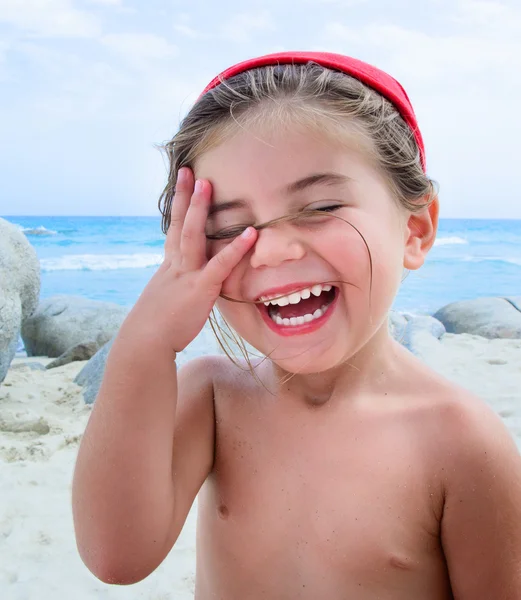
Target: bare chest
x=322, y=508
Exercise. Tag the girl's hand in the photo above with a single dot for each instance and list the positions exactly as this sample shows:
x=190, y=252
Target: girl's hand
x=177, y=301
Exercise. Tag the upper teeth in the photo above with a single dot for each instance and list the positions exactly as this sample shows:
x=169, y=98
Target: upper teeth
x=296, y=297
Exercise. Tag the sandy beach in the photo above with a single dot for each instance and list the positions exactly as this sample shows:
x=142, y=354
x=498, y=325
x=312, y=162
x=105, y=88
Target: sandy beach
x=42, y=417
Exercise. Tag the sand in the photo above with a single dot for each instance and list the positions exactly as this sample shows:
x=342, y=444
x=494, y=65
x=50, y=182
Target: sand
x=42, y=417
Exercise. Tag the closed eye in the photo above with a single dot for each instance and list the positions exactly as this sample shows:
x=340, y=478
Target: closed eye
x=227, y=234
x=329, y=208
x=235, y=231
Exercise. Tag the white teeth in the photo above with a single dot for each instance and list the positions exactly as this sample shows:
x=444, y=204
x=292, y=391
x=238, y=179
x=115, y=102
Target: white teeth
x=293, y=321
x=296, y=297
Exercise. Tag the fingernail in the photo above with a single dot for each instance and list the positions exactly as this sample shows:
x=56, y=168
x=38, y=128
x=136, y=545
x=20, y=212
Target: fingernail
x=248, y=232
x=198, y=186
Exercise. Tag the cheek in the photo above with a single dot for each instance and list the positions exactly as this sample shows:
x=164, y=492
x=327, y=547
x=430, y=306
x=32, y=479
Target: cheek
x=237, y=315
x=360, y=249
x=345, y=248
x=232, y=285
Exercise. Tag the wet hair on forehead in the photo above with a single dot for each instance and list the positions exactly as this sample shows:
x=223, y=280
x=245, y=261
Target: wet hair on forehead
x=304, y=95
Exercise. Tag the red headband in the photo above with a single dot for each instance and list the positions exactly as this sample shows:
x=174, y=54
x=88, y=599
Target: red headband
x=380, y=81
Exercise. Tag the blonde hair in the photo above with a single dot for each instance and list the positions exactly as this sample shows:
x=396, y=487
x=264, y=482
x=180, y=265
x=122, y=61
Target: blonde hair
x=308, y=95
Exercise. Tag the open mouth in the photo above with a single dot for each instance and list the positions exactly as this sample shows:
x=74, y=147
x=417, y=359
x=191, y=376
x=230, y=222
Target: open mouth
x=304, y=307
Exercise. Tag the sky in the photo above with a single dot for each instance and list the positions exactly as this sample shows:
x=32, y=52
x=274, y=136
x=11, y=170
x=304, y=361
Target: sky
x=90, y=88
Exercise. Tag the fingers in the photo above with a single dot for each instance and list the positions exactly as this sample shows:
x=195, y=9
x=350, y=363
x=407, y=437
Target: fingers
x=193, y=238
x=221, y=265
x=180, y=203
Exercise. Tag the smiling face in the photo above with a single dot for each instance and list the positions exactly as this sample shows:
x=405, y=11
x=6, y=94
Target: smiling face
x=258, y=178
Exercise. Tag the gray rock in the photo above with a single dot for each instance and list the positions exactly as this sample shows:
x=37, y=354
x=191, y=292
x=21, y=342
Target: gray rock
x=79, y=352
x=19, y=289
x=488, y=317
x=91, y=376
x=397, y=325
x=417, y=333
x=61, y=322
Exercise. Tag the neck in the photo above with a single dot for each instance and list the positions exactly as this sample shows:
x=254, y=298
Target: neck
x=365, y=372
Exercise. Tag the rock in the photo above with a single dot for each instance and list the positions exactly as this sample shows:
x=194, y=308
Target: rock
x=61, y=322
x=417, y=333
x=79, y=352
x=91, y=376
x=488, y=317
x=19, y=289
x=397, y=325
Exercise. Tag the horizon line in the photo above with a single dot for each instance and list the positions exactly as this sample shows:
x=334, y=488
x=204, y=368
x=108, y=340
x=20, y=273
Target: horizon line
x=159, y=217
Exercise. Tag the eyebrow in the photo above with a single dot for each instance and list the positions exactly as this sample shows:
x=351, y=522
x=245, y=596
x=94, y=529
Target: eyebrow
x=297, y=186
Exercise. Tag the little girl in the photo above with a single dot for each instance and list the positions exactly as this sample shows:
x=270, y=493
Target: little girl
x=336, y=465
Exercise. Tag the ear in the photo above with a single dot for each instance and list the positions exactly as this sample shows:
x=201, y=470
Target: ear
x=420, y=233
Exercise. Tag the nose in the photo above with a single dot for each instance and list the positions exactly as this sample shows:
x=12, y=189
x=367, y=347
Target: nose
x=275, y=245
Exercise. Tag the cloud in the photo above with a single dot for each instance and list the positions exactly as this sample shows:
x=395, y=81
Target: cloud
x=183, y=26
x=188, y=31
x=49, y=18
x=495, y=16
x=139, y=49
x=241, y=27
x=462, y=77
x=107, y=2
x=337, y=3
x=444, y=57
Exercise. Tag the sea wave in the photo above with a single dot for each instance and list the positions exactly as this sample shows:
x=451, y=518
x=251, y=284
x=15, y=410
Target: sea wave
x=41, y=230
x=511, y=260
x=447, y=241
x=100, y=262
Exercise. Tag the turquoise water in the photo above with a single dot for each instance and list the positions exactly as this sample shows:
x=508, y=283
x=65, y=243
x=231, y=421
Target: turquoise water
x=112, y=259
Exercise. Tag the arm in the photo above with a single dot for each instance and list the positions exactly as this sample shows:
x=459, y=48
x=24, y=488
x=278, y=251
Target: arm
x=149, y=442
x=145, y=453
x=481, y=524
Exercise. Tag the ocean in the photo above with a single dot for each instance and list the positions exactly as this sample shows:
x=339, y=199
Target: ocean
x=113, y=258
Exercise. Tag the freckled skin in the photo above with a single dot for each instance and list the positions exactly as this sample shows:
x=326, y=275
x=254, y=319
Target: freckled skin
x=337, y=500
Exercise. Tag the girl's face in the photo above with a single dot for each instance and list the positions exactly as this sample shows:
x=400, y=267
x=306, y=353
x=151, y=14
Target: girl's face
x=257, y=179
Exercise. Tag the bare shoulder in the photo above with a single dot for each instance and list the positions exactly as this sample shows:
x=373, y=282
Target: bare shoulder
x=223, y=373
x=479, y=466
x=469, y=428
x=204, y=367
x=203, y=381
x=459, y=421
x=463, y=428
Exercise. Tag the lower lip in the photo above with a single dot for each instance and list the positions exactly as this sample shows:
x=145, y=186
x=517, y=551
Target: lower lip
x=287, y=330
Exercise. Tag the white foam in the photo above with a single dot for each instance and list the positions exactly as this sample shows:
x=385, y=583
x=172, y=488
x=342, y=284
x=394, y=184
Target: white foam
x=512, y=260
x=40, y=230
x=448, y=241
x=100, y=262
